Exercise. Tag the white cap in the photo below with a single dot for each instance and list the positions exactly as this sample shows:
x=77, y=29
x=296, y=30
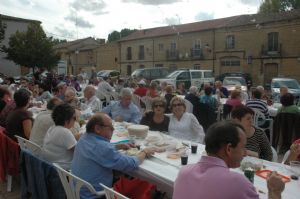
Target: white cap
x=142, y=82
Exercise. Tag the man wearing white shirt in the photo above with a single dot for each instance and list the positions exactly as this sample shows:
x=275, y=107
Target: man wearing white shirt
x=104, y=86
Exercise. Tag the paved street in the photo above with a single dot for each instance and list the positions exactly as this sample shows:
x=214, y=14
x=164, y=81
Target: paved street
x=16, y=190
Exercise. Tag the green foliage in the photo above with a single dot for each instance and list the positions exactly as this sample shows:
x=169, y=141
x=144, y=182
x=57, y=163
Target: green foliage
x=2, y=29
x=57, y=41
x=115, y=35
x=32, y=48
x=270, y=6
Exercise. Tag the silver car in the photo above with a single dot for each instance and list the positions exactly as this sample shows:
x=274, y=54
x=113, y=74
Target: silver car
x=292, y=85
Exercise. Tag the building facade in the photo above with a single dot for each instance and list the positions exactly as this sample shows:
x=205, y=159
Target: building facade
x=265, y=46
x=13, y=24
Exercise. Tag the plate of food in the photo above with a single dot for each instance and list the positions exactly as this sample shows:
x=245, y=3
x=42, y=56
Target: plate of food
x=265, y=173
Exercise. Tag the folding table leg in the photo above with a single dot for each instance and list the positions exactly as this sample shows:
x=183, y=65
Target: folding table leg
x=9, y=183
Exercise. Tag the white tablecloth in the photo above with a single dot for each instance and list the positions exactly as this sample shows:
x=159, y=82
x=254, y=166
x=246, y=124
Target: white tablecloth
x=163, y=171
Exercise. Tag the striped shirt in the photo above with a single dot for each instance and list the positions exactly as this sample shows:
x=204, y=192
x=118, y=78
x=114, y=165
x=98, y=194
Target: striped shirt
x=258, y=104
x=259, y=143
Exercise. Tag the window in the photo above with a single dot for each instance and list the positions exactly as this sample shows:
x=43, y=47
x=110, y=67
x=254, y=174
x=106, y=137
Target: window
x=184, y=76
x=173, y=46
x=160, y=47
x=155, y=73
x=273, y=41
x=208, y=74
x=230, y=42
x=197, y=44
x=230, y=62
x=196, y=75
x=197, y=66
x=129, y=56
x=141, y=52
x=142, y=66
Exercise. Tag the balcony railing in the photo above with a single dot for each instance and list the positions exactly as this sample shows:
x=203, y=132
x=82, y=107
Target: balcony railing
x=196, y=53
x=276, y=52
x=172, y=54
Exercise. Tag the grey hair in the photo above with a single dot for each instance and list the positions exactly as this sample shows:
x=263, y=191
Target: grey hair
x=90, y=88
x=260, y=87
x=193, y=89
x=126, y=92
x=71, y=90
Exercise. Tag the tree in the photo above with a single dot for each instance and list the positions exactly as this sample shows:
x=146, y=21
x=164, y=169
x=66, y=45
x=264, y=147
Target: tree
x=2, y=29
x=269, y=6
x=57, y=41
x=32, y=48
x=115, y=35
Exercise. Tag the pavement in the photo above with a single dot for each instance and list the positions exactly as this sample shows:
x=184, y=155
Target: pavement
x=16, y=189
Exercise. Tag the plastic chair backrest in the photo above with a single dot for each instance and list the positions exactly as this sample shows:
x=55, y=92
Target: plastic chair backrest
x=112, y=194
x=285, y=157
x=136, y=100
x=148, y=102
x=258, y=117
x=189, y=106
x=72, y=184
x=25, y=144
x=275, y=156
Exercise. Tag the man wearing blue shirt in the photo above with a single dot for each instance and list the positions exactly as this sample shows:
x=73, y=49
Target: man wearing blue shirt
x=95, y=157
x=124, y=110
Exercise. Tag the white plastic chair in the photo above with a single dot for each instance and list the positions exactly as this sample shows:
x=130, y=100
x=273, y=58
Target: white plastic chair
x=25, y=144
x=72, y=184
x=189, y=106
x=137, y=100
x=275, y=156
x=112, y=194
x=148, y=102
x=259, y=119
x=285, y=157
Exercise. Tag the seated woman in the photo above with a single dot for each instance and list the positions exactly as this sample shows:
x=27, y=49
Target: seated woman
x=235, y=98
x=258, y=144
x=156, y=119
x=294, y=153
x=287, y=101
x=59, y=142
x=44, y=94
x=184, y=125
x=152, y=90
x=19, y=121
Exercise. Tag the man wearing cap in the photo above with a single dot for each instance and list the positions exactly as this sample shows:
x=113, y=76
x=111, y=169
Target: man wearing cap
x=141, y=90
x=124, y=110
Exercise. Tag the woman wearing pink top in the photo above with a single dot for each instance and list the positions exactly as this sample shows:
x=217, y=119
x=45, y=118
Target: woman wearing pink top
x=235, y=98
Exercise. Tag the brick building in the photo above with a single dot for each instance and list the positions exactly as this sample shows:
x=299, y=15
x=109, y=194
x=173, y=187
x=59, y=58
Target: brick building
x=265, y=46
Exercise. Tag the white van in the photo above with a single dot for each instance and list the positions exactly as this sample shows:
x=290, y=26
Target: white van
x=190, y=77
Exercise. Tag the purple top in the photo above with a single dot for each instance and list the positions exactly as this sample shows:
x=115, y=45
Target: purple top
x=211, y=178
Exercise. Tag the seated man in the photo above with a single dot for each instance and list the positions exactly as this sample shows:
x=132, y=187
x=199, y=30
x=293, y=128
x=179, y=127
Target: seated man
x=220, y=90
x=225, y=146
x=95, y=157
x=124, y=110
x=91, y=100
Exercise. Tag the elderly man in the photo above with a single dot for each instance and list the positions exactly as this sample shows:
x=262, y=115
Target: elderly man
x=225, y=146
x=43, y=122
x=91, y=100
x=95, y=157
x=71, y=98
x=220, y=90
x=124, y=110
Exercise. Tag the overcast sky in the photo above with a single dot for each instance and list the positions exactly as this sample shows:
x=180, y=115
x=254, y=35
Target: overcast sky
x=72, y=19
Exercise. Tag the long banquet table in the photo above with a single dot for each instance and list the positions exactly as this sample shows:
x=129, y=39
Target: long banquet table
x=163, y=171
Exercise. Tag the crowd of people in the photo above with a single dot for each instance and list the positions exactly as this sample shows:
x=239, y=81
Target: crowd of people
x=93, y=158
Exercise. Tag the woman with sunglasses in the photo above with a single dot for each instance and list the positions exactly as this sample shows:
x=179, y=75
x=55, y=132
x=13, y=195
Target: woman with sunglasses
x=184, y=125
x=59, y=142
x=156, y=119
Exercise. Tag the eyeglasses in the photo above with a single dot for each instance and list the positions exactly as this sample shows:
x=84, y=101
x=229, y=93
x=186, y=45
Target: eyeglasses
x=108, y=126
x=159, y=105
x=175, y=105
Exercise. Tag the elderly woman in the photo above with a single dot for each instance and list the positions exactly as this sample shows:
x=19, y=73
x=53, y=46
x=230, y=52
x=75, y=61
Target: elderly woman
x=19, y=121
x=235, y=98
x=156, y=119
x=71, y=98
x=184, y=125
x=258, y=144
x=59, y=142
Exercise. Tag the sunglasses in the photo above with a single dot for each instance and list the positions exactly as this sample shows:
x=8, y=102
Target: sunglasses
x=159, y=105
x=175, y=105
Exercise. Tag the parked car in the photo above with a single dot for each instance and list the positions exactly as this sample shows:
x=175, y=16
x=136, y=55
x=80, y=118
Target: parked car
x=189, y=77
x=292, y=85
x=231, y=82
x=246, y=76
x=150, y=73
x=108, y=73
